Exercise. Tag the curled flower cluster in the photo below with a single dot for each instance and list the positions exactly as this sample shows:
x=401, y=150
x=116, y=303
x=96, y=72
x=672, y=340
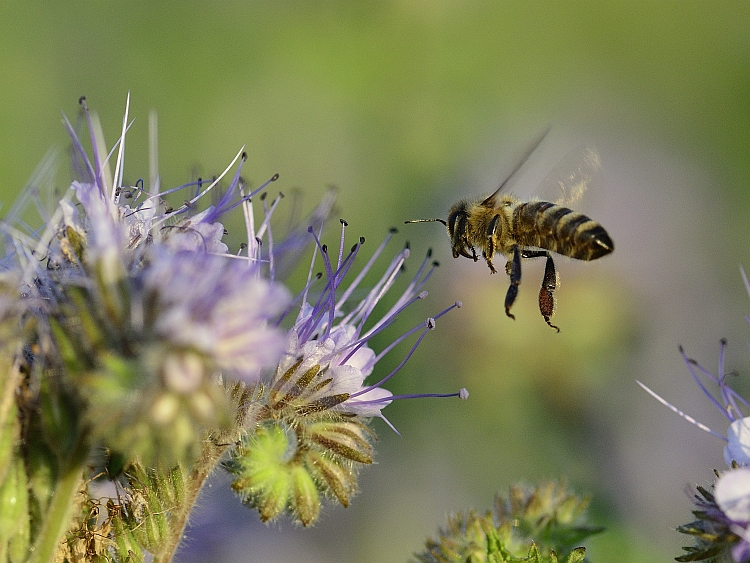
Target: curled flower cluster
x=314, y=436
x=140, y=309
x=136, y=346
x=721, y=529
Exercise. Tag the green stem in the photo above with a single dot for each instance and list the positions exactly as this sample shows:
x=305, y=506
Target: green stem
x=57, y=518
x=178, y=518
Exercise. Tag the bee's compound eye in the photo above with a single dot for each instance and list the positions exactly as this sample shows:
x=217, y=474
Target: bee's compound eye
x=452, y=218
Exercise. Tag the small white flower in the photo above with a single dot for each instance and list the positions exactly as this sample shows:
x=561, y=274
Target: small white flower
x=738, y=448
x=732, y=494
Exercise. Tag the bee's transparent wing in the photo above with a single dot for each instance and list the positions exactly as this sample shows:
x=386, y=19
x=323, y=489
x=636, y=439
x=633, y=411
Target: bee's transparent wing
x=526, y=155
x=572, y=178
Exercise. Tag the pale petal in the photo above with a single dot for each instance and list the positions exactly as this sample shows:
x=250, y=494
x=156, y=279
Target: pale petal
x=738, y=448
x=370, y=403
x=732, y=494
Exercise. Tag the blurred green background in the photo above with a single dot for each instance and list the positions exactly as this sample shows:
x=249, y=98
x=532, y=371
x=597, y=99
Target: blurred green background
x=407, y=106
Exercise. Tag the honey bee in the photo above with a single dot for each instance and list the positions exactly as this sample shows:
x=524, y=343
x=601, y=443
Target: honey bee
x=521, y=230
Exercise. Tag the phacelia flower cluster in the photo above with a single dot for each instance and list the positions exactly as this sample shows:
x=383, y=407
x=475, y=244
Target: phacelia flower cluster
x=313, y=435
x=139, y=309
x=137, y=346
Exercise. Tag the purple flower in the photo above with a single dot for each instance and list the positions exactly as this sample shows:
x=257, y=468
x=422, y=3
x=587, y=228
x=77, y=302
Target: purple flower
x=150, y=314
x=331, y=336
x=218, y=306
x=312, y=434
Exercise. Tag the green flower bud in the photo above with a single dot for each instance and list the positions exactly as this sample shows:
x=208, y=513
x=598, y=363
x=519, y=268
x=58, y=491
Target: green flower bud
x=305, y=501
x=263, y=477
x=338, y=478
x=345, y=439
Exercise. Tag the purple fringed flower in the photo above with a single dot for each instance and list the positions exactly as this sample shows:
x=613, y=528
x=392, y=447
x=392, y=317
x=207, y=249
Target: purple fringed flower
x=218, y=306
x=313, y=434
x=150, y=313
x=337, y=342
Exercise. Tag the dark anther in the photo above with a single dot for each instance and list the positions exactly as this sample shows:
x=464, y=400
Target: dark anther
x=274, y=177
x=393, y=230
x=244, y=156
x=361, y=240
x=343, y=222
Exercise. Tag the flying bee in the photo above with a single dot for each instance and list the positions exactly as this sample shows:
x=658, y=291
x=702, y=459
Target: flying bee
x=521, y=230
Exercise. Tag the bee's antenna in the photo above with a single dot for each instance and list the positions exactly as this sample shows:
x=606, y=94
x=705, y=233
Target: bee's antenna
x=426, y=221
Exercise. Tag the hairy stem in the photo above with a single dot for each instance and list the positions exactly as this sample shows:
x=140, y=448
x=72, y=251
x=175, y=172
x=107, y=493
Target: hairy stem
x=194, y=481
x=57, y=517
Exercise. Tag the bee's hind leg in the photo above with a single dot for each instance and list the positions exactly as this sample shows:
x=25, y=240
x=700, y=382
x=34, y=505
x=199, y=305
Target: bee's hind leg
x=546, y=293
x=513, y=268
x=549, y=284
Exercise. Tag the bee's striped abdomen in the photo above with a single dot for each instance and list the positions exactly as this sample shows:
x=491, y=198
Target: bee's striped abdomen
x=559, y=229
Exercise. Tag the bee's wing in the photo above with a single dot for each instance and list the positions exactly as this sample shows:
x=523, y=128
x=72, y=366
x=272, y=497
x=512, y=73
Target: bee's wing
x=526, y=155
x=572, y=177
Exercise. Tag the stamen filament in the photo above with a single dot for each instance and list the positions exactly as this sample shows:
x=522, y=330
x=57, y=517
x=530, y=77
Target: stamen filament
x=691, y=364
x=398, y=367
x=366, y=268
x=687, y=417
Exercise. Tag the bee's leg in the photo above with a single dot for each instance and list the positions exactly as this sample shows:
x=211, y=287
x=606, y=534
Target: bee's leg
x=513, y=267
x=549, y=284
x=546, y=297
x=489, y=253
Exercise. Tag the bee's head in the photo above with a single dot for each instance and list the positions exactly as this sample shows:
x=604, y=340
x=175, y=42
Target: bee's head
x=457, y=228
